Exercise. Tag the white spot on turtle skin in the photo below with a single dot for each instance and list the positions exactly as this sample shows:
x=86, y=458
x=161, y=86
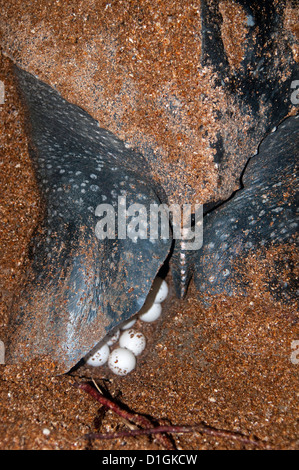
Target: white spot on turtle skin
x=94, y=177
x=264, y=199
x=250, y=20
x=226, y=272
x=79, y=201
x=212, y=279
x=224, y=236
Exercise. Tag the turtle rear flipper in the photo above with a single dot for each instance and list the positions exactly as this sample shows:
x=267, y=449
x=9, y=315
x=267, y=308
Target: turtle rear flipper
x=263, y=214
x=80, y=285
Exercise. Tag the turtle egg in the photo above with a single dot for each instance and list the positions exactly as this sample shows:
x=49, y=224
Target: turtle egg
x=150, y=312
x=159, y=291
x=128, y=324
x=121, y=361
x=99, y=357
x=132, y=340
x=112, y=337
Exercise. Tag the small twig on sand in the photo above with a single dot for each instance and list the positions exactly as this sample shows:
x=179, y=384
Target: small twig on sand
x=135, y=418
x=178, y=430
x=147, y=427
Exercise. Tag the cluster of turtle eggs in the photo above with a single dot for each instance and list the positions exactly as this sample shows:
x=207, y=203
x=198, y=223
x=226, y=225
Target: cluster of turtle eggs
x=121, y=360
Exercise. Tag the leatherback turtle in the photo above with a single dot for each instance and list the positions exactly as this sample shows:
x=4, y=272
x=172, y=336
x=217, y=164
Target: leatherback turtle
x=78, y=288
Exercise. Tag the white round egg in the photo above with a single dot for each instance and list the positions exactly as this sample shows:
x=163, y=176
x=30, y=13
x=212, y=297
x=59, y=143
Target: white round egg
x=99, y=357
x=128, y=324
x=121, y=361
x=112, y=338
x=133, y=340
x=159, y=291
x=150, y=312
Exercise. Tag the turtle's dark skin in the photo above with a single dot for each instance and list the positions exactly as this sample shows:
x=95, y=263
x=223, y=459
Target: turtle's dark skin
x=78, y=288
x=255, y=84
x=263, y=214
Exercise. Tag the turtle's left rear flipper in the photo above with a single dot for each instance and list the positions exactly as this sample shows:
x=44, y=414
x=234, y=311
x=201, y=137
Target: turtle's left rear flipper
x=79, y=286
